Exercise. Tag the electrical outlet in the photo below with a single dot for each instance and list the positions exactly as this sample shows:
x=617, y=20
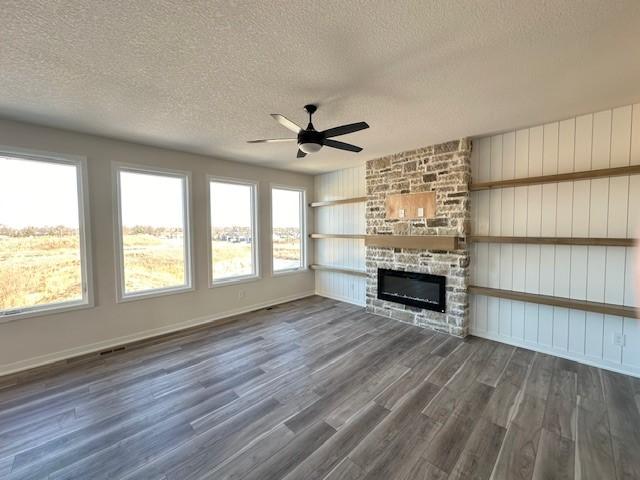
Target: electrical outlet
x=420, y=212
x=401, y=213
x=241, y=293
x=619, y=339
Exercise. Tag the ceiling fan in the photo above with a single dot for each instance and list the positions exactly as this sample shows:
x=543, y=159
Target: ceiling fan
x=309, y=139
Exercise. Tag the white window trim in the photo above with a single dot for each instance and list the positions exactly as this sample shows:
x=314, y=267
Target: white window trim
x=121, y=296
x=84, y=227
x=303, y=230
x=255, y=195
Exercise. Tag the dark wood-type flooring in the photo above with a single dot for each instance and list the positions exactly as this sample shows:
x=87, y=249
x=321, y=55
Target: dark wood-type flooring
x=317, y=389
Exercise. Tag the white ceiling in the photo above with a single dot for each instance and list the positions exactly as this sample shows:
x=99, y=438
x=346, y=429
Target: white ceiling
x=202, y=76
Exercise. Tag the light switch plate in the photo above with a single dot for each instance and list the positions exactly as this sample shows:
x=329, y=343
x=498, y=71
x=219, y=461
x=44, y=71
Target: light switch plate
x=401, y=213
x=420, y=212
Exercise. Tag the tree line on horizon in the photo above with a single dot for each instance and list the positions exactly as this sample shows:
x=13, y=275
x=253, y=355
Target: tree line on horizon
x=63, y=231
x=30, y=231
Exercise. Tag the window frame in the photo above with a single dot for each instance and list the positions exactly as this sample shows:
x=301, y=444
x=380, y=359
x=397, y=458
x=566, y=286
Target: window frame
x=255, y=235
x=303, y=230
x=84, y=233
x=189, y=286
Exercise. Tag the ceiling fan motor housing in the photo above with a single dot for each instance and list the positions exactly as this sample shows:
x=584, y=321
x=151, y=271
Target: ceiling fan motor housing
x=310, y=140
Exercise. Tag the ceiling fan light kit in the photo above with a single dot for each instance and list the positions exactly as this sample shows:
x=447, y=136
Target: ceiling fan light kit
x=310, y=147
x=309, y=139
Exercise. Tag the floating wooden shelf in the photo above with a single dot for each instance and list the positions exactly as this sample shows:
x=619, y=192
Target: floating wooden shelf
x=606, y=308
x=562, y=177
x=423, y=242
x=608, y=242
x=338, y=202
x=336, y=235
x=328, y=268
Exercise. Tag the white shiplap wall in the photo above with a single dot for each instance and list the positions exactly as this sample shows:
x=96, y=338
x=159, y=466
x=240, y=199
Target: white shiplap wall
x=607, y=207
x=347, y=218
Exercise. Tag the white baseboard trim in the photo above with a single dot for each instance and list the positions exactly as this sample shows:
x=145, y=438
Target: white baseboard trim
x=42, y=360
x=594, y=362
x=340, y=298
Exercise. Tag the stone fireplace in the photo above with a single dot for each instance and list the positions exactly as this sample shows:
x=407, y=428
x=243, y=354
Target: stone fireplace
x=445, y=170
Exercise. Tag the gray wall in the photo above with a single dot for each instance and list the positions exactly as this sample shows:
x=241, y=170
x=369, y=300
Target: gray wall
x=32, y=341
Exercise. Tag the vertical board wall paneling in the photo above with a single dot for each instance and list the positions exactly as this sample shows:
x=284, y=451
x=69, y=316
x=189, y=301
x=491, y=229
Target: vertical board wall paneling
x=584, y=208
x=345, y=218
x=635, y=135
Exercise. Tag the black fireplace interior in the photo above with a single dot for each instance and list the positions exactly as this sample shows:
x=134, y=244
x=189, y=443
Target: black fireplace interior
x=415, y=289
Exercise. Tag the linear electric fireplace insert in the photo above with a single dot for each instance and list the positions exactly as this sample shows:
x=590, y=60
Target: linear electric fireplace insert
x=410, y=288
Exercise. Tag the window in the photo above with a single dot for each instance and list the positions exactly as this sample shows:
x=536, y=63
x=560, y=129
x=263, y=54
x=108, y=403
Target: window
x=44, y=255
x=287, y=227
x=232, y=209
x=153, y=232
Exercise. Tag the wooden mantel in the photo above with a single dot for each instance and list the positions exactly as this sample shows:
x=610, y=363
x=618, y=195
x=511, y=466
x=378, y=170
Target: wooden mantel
x=421, y=242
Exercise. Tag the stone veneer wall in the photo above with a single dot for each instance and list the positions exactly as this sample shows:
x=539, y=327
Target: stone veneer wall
x=445, y=169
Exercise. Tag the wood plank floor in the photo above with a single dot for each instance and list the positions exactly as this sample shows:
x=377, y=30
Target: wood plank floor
x=318, y=389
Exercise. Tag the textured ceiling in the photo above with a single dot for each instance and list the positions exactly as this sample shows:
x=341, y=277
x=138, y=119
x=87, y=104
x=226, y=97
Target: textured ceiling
x=202, y=76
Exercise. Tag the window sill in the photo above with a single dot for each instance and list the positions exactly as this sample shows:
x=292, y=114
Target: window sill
x=49, y=310
x=132, y=297
x=286, y=273
x=234, y=281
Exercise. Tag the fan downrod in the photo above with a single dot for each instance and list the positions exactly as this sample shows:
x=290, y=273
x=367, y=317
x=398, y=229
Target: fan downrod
x=310, y=109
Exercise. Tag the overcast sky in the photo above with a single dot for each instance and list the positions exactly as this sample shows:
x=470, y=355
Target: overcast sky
x=151, y=200
x=285, y=208
x=230, y=205
x=35, y=193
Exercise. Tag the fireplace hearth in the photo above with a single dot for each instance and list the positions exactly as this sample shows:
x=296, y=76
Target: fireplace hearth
x=420, y=290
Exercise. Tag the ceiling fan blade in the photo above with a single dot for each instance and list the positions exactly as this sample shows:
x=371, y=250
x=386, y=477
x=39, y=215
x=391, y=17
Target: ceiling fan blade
x=344, y=129
x=272, y=140
x=301, y=154
x=286, y=123
x=342, y=145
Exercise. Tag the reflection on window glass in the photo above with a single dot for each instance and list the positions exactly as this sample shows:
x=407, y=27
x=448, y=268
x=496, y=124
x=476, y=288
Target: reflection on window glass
x=287, y=229
x=232, y=235
x=155, y=250
x=41, y=260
